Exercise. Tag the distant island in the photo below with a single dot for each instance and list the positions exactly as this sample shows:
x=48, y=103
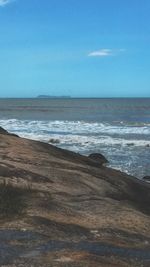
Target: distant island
x=49, y=96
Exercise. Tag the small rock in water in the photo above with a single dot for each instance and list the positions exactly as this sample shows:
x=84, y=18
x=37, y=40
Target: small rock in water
x=130, y=144
x=99, y=158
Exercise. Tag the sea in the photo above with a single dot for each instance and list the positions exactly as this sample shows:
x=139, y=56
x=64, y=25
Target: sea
x=119, y=128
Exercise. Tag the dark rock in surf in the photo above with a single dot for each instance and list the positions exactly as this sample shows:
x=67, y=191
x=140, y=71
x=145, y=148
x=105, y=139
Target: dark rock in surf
x=99, y=158
x=130, y=144
x=146, y=179
x=54, y=141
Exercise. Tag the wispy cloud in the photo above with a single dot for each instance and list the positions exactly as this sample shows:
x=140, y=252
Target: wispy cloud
x=105, y=52
x=4, y=2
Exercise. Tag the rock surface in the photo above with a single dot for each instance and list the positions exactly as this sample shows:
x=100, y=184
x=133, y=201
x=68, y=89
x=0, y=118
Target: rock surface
x=59, y=208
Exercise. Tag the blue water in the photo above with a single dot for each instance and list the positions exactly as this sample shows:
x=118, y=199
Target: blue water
x=118, y=128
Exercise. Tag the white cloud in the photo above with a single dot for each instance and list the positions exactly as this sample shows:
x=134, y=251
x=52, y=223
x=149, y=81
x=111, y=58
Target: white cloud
x=4, y=2
x=105, y=52
x=101, y=53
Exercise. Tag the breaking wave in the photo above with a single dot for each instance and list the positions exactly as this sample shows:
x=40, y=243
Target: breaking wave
x=127, y=147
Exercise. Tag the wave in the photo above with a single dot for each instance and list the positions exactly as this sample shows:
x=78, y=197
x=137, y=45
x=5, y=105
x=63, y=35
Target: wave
x=75, y=127
x=79, y=133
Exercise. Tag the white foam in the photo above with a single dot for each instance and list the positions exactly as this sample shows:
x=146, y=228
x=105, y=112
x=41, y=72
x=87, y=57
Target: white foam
x=74, y=127
x=79, y=133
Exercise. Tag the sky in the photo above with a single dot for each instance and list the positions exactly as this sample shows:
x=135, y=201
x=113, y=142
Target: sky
x=86, y=48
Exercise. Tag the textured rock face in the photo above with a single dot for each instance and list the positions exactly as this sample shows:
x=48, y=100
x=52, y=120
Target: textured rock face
x=90, y=212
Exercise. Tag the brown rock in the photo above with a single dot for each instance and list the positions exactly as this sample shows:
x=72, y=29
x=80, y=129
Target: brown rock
x=58, y=208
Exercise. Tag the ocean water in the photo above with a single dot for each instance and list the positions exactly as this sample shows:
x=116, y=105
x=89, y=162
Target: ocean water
x=117, y=128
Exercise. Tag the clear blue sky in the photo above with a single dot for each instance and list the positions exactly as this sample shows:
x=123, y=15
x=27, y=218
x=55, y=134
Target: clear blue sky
x=98, y=48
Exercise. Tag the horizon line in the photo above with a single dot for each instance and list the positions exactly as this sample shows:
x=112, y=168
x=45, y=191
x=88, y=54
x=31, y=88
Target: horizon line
x=72, y=97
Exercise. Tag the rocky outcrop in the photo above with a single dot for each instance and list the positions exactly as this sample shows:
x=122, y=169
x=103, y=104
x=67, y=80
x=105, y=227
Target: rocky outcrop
x=4, y=132
x=58, y=208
